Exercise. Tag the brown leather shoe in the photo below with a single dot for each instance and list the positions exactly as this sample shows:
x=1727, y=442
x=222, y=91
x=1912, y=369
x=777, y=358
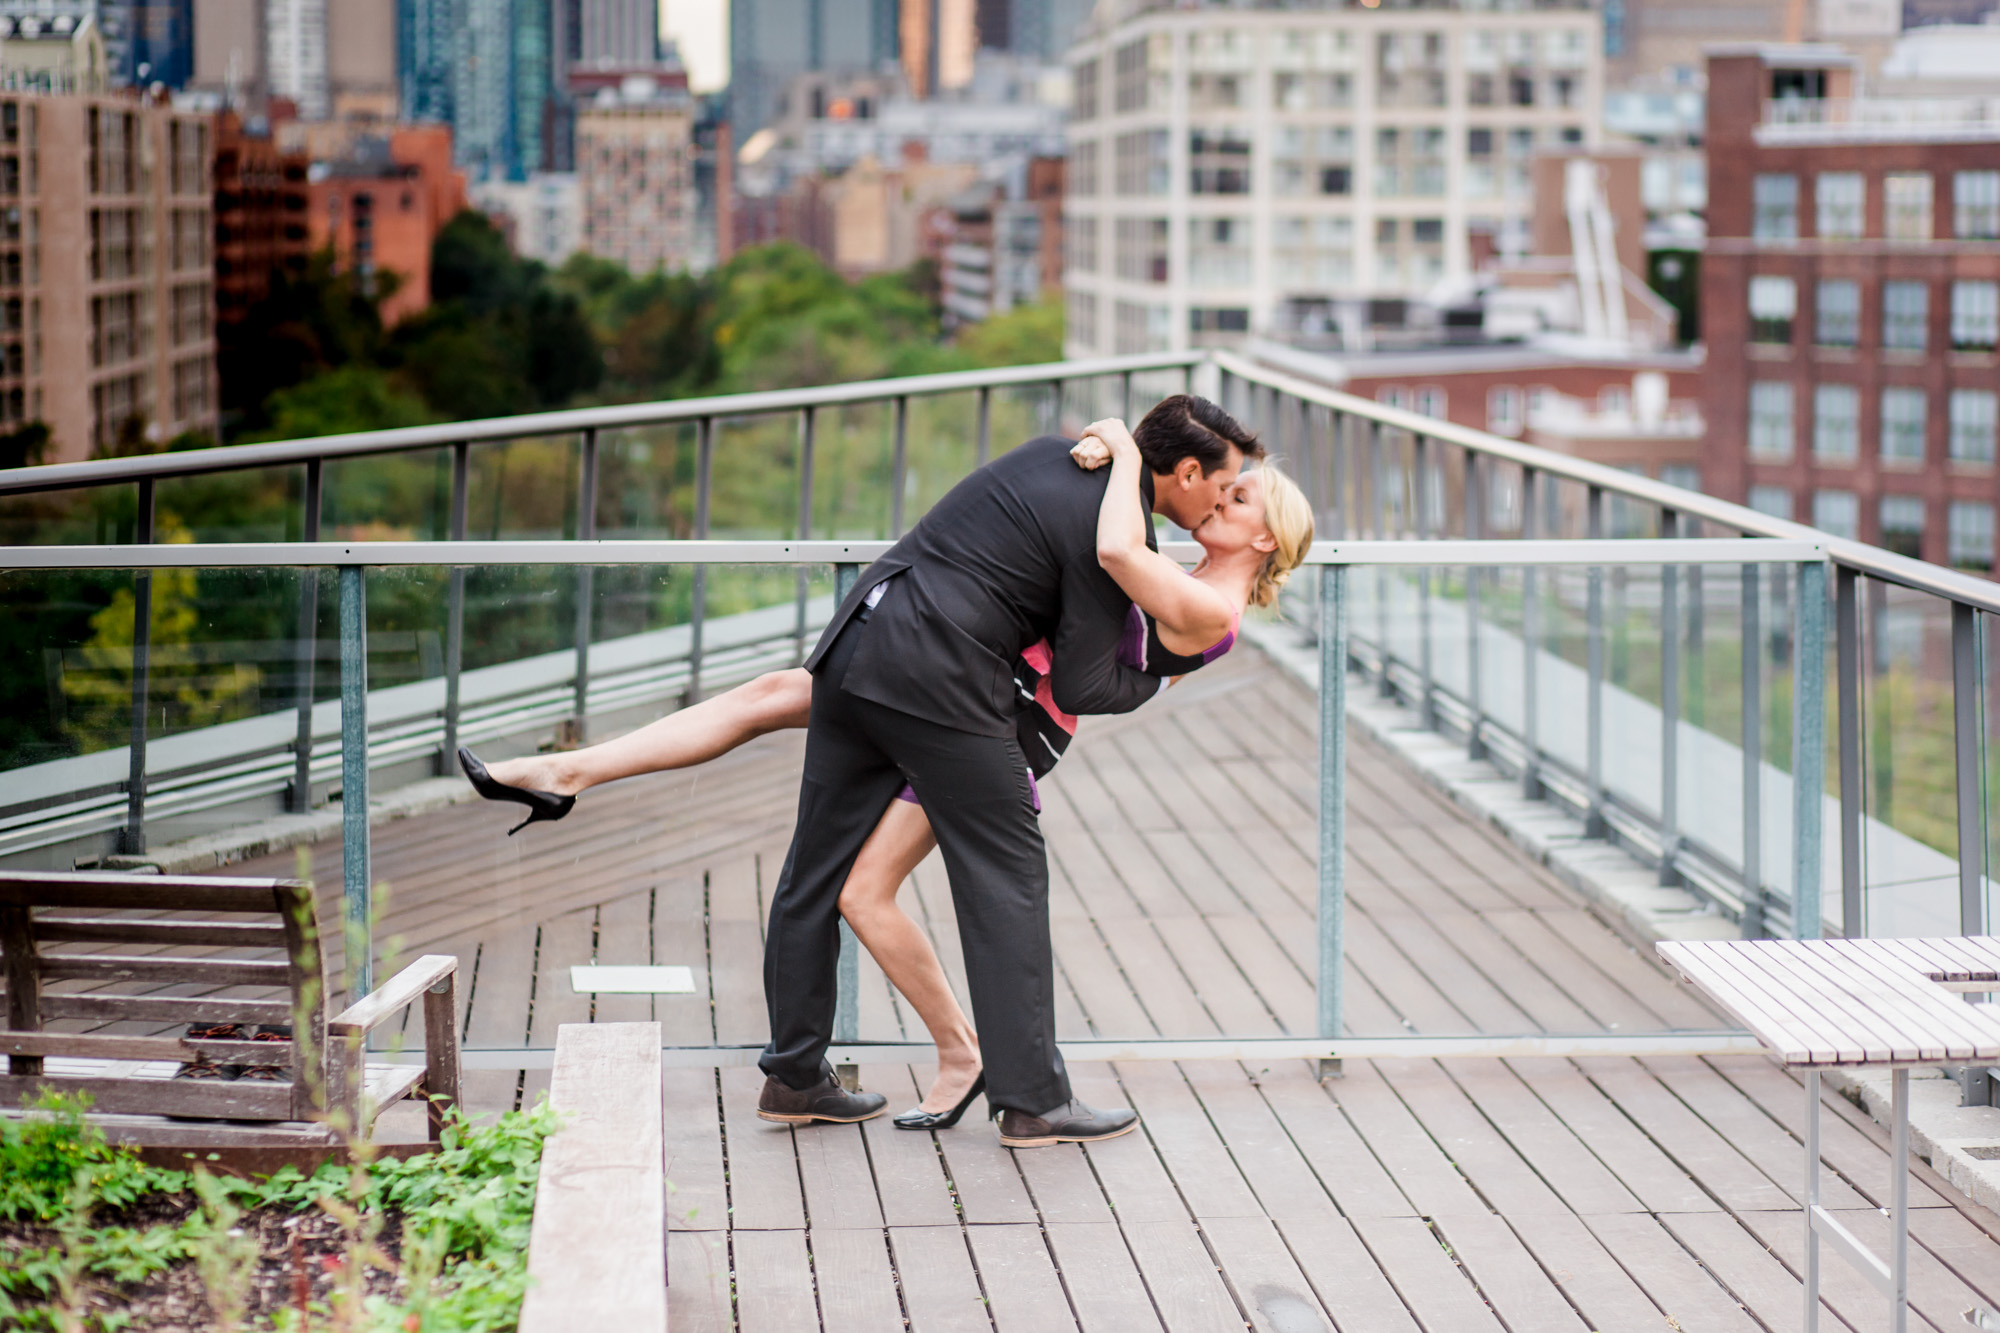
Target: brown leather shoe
x=823, y=1101
x=1072, y=1122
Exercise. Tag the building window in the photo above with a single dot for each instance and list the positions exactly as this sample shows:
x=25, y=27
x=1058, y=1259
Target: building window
x=1208, y=320
x=1219, y=252
x=1903, y=425
x=1432, y=403
x=1975, y=316
x=1142, y=249
x=1142, y=163
x=1219, y=162
x=1903, y=525
x=1840, y=204
x=1215, y=92
x=1140, y=73
x=1906, y=203
x=1503, y=410
x=1410, y=69
x=1313, y=160
x=1143, y=328
x=1837, y=512
x=1081, y=311
x=1776, y=204
x=1083, y=168
x=1974, y=413
x=1771, y=420
x=1836, y=423
x=1409, y=163
x=1773, y=303
x=1313, y=254
x=1906, y=311
x=1969, y=535
x=1837, y=313
x=1080, y=244
x=1773, y=500
x=1311, y=92
x=1975, y=205
x=1083, y=91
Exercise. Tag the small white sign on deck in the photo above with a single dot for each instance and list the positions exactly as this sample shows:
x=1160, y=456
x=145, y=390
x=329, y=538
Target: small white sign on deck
x=631, y=980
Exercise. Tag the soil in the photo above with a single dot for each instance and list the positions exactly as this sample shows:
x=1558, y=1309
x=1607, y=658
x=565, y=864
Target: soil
x=300, y=1255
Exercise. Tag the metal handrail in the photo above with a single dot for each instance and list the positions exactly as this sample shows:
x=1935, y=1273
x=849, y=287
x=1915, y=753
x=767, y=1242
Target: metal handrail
x=1859, y=556
x=233, y=458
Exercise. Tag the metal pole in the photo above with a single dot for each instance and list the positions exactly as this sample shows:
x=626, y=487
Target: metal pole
x=1966, y=681
x=807, y=423
x=1475, y=743
x=586, y=583
x=1670, y=709
x=1847, y=663
x=134, y=841
x=1125, y=397
x=354, y=868
x=1427, y=686
x=899, y=467
x=1336, y=432
x=985, y=452
x=1594, y=825
x=1332, y=800
x=305, y=650
x=1899, y=1203
x=1754, y=925
x=454, y=627
x=847, y=983
x=704, y=456
x=1531, y=650
x=1812, y=1201
x=1808, y=750
x=1384, y=686
x=1694, y=700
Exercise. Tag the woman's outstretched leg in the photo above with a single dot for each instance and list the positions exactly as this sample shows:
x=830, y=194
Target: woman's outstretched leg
x=708, y=730
x=900, y=947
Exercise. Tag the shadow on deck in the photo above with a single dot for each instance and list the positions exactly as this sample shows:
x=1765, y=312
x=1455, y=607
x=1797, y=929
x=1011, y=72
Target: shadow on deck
x=1447, y=1195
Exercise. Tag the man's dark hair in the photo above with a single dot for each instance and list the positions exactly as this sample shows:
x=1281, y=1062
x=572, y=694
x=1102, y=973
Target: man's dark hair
x=1185, y=426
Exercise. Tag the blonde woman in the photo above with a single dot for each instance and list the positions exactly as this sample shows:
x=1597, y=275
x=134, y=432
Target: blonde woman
x=1181, y=621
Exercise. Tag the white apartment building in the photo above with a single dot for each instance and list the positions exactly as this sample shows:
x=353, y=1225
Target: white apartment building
x=635, y=171
x=1236, y=171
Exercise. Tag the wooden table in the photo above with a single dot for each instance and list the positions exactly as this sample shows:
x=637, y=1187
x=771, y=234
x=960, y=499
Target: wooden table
x=1824, y=1004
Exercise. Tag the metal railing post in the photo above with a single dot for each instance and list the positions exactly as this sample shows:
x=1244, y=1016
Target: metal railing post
x=305, y=650
x=1332, y=801
x=1378, y=496
x=1754, y=924
x=586, y=584
x=704, y=468
x=1336, y=482
x=1426, y=686
x=1475, y=743
x=1125, y=398
x=1531, y=649
x=808, y=419
x=133, y=841
x=1966, y=681
x=1694, y=701
x=1808, y=749
x=1847, y=664
x=354, y=854
x=1594, y=825
x=1670, y=709
x=847, y=975
x=899, y=464
x=985, y=447
x=454, y=625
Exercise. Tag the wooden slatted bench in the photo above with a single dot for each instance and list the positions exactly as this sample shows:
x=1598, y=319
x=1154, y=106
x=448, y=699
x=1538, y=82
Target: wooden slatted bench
x=1822, y=1004
x=107, y=973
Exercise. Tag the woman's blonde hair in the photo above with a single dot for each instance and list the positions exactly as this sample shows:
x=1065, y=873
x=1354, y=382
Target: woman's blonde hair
x=1288, y=516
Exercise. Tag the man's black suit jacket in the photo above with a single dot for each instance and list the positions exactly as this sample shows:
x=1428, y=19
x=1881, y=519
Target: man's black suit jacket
x=1008, y=557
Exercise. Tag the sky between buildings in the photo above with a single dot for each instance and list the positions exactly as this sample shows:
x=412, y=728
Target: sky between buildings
x=701, y=29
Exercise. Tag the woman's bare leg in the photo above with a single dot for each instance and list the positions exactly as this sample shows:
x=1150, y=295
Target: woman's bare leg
x=899, y=945
x=711, y=728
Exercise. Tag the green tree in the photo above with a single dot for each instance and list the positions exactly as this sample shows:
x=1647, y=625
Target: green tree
x=351, y=398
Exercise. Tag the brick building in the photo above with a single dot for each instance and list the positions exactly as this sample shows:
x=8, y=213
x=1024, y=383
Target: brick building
x=1851, y=304
x=261, y=231
x=381, y=207
x=635, y=172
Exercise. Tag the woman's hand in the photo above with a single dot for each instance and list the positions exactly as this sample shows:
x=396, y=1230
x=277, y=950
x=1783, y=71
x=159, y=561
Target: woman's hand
x=1103, y=442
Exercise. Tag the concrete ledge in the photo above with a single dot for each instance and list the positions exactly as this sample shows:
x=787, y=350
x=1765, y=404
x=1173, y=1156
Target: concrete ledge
x=280, y=832
x=1626, y=893
x=597, y=1251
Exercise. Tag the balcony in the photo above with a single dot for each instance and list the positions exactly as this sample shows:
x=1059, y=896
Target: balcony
x=1362, y=839
x=1879, y=120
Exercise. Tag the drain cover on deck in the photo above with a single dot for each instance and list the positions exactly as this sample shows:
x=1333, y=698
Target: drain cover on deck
x=586, y=980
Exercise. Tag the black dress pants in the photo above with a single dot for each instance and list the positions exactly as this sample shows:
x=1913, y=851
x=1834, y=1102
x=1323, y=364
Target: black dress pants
x=980, y=799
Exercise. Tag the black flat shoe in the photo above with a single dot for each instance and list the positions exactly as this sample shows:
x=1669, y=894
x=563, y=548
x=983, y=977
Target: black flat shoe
x=542, y=805
x=918, y=1118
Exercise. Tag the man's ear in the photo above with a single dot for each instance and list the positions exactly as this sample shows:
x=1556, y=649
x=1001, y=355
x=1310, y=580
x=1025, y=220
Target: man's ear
x=1188, y=473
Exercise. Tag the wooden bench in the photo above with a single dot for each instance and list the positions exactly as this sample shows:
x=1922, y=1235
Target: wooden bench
x=106, y=973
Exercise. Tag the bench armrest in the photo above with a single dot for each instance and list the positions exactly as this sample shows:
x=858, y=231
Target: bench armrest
x=391, y=998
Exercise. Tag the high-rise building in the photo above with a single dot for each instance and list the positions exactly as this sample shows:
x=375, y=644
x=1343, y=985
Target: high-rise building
x=230, y=52
x=1851, y=303
x=107, y=292
x=636, y=176
x=1237, y=171
x=262, y=236
x=772, y=42
x=295, y=33
x=487, y=69
x=426, y=43
x=361, y=60
x=116, y=21
x=162, y=42
x=619, y=33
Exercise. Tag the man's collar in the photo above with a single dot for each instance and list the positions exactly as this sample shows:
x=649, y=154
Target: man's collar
x=1146, y=487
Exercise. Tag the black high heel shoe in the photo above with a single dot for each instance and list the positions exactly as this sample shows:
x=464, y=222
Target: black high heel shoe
x=542, y=805
x=918, y=1118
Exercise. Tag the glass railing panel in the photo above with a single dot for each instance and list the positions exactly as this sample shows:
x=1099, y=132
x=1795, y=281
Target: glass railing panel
x=754, y=487
x=1633, y=642
x=1023, y=412
x=407, y=496
x=267, y=504
x=645, y=482
x=855, y=448
x=89, y=516
x=944, y=447
x=523, y=490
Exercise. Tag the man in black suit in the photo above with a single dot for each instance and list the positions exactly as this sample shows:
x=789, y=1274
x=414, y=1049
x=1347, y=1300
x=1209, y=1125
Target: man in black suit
x=914, y=682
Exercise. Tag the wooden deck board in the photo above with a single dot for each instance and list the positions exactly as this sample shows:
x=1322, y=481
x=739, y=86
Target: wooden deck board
x=1409, y=1195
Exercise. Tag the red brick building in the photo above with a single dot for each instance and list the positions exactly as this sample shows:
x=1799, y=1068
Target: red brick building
x=382, y=206
x=1851, y=304
x=261, y=233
